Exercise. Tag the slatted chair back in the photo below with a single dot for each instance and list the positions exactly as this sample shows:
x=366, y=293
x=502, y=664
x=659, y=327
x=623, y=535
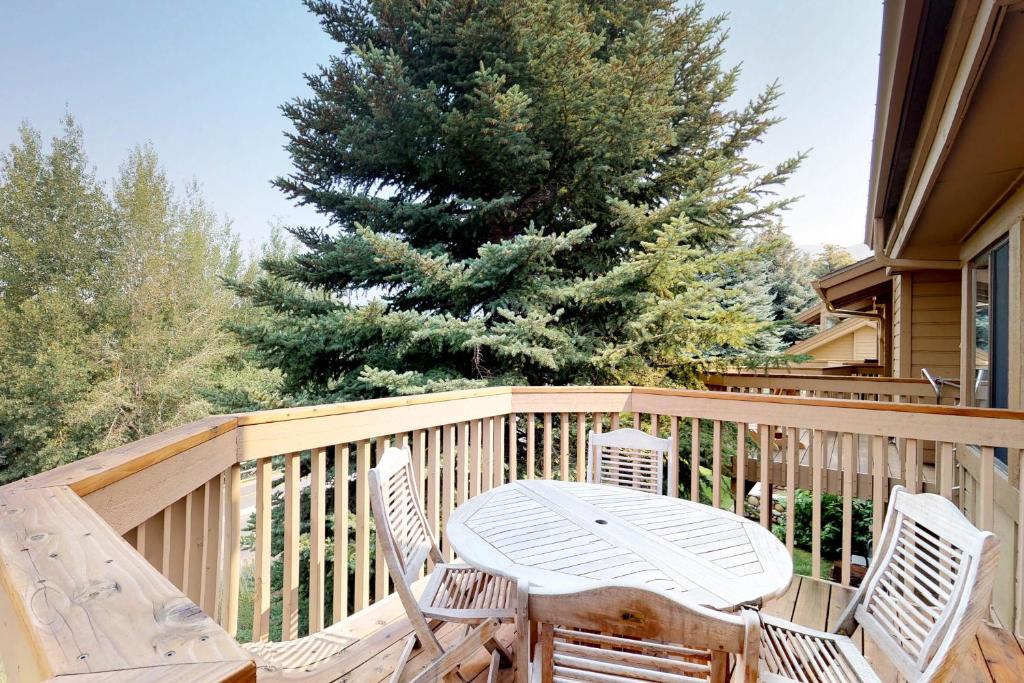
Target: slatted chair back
x=630, y=458
x=930, y=588
x=625, y=632
x=403, y=534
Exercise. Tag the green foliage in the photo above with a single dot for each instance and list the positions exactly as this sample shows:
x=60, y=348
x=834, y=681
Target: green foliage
x=832, y=258
x=831, y=524
x=803, y=565
x=785, y=272
x=112, y=306
x=533, y=192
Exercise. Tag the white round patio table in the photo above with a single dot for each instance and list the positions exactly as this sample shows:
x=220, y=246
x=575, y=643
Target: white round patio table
x=568, y=535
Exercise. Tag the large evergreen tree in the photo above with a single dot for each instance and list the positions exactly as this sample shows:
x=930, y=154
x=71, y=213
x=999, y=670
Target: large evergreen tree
x=542, y=191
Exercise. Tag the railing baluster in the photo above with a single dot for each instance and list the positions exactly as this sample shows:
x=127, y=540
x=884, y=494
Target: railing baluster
x=362, y=579
x=341, y=503
x=1019, y=565
x=261, y=567
x=765, y=462
x=654, y=424
x=448, y=498
x=290, y=587
x=487, y=460
x=233, y=522
x=817, y=451
x=195, y=527
x=212, y=513
x=531, y=437
x=381, y=576
x=849, y=457
x=499, y=451
x=636, y=419
x=474, y=458
x=151, y=538
x=986, y=495
x=462, y=470
x=945, y=470
x=513, y=448
x=547, y=446
x=563, y=447
x=434, y=482
x=673, y=457
x=175, y=542
x=740, y=467
x=317, y=541
x=879, y=485
x=419, y=462
x=614, y=422
x=581, y=447
x=912, y=467
x=792, y=452
x=716, y=463
x=695, y=460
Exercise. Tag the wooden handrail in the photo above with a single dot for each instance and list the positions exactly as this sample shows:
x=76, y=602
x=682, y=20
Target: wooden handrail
x=174, y=497
x=79, y=601
x=872, y=388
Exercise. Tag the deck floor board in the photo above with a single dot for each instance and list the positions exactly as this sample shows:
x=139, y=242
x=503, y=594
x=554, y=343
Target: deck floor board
x=371, y=642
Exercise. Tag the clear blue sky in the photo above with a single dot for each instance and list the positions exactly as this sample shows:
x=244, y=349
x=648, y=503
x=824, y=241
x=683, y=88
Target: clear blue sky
x=203, y=81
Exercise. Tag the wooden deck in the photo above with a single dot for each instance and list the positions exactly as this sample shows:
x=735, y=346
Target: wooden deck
x=365, y=647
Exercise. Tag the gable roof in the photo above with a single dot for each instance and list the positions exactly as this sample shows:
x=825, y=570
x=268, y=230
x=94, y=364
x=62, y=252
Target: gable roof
x=855, y=286
x=848, y=326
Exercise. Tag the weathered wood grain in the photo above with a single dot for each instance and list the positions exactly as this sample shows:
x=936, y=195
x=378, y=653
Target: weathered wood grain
x=87, y=601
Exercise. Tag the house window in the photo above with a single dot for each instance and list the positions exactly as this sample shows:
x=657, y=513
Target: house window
x=991, y=274
x=991, y=298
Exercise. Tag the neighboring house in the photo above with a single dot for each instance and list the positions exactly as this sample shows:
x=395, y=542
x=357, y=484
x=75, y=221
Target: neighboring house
x=856, y=305
x=844, y=342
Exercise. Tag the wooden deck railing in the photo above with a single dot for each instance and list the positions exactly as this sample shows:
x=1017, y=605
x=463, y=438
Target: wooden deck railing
x=102, y=560
x=877, y=388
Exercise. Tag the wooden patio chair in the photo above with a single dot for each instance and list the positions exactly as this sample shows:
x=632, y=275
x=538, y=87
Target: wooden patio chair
x=629, y=634
x=921, y=602
x=453, y=592
x=628, y=457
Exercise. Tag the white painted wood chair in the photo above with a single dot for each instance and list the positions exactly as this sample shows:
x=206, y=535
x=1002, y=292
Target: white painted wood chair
x=628, y=457
x=453, y=592
x=628, y=634
x=921, y=601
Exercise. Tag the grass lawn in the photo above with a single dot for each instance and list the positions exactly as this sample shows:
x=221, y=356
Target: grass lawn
x=802, y=564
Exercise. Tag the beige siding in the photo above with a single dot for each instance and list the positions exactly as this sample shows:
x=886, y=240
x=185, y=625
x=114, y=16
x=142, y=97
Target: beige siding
x=837, y=349
x=865, y=343
x=935, y=327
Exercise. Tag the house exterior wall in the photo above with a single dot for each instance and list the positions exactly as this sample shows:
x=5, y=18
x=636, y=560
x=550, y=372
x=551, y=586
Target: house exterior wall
x=837, y=349
x=935, y=324
x=926, y=323
x=865, y=343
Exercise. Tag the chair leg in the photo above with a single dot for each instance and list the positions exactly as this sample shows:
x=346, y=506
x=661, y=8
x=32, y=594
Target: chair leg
x=719, y=667
x=492, y=670
x=410, y=644
x=499, y=650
